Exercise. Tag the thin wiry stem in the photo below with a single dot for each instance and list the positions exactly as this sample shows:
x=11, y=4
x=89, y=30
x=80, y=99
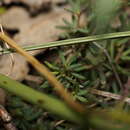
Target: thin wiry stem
x=111, y=63
x=75, y=41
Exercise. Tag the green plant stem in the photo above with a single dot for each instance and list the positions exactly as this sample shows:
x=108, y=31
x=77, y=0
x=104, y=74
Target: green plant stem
x=42, y=100
x=83, y=40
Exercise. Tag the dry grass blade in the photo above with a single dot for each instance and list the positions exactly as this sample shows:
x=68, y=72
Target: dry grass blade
x=110, y=95
x=46, y=73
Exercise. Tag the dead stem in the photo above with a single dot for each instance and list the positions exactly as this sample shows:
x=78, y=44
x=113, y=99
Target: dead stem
x=7, y=119
x=109, y=95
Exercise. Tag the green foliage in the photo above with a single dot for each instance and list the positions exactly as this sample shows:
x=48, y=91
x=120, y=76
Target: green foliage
x=73, y=27
x=25, y=116
x=28, y=117
x=69, y=72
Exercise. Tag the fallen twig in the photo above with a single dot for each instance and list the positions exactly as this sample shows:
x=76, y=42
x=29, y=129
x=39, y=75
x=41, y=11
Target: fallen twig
x=6, y=119
x=110, y=95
